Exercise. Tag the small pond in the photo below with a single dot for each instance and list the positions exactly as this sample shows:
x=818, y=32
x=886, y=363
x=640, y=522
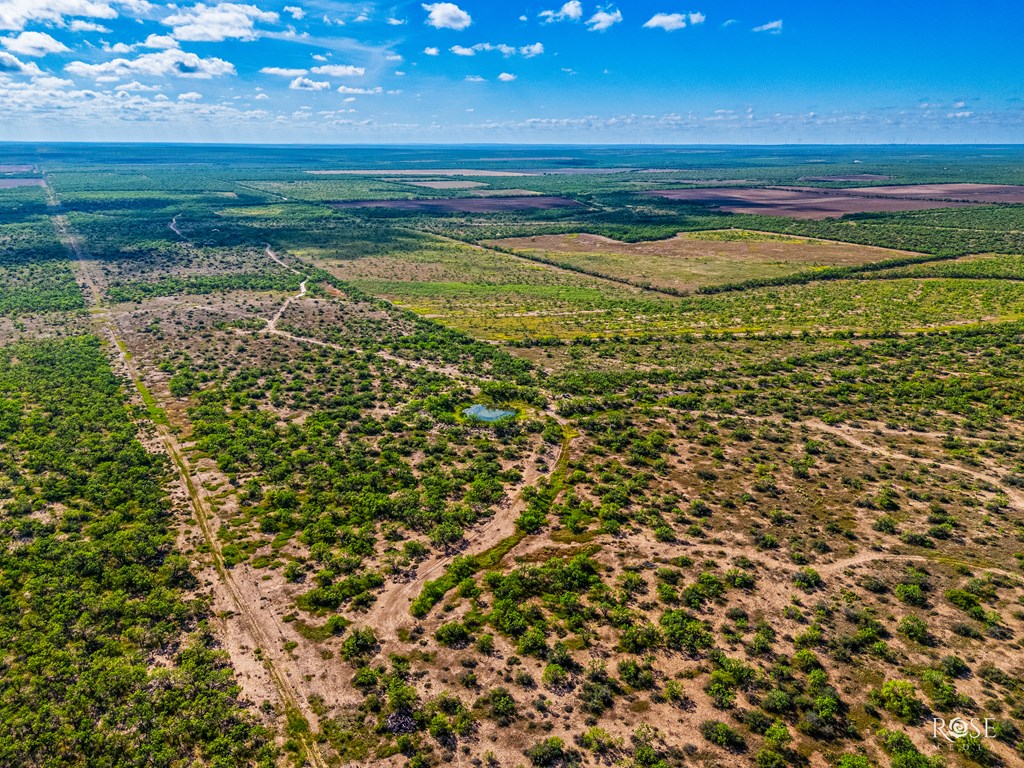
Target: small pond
x=484, y=413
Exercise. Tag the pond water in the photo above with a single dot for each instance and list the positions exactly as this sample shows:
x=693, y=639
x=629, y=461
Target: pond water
x=484, y=413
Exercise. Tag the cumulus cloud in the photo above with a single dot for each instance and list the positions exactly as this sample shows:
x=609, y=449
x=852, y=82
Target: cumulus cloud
x=169, y=63
x=12, y=65
x=506, y=77
x=360, y=91
x=571, y=11
x=159, y=42
x=431, y=51
x=772, y=27
x=295, y=12
x=87, y=26
x=283, y=71
x=16, y=14
x=135, y=85
x=392, y=21
x=602, y=20
x=529, y=51
x=667, y=21
x=474, y=79
x=446, y=16
x=33, y=44
x=214, y=23
x=305, y=84
x=339, y=70
x=190, y=96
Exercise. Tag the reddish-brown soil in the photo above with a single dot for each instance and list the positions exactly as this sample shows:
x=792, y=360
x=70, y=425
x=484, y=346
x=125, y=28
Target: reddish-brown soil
x=421, y=172
x=974, y=193
x=466, y=205
x=9, y=183
x=442, y=184
x=848, y=177
x=798, y=203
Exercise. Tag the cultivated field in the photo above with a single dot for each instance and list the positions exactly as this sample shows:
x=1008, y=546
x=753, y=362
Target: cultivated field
x=799, y=203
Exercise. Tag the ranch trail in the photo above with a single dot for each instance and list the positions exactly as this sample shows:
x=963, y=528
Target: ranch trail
x=392, y=605
x=174, y=228
x=261, y=628
x=850, y=436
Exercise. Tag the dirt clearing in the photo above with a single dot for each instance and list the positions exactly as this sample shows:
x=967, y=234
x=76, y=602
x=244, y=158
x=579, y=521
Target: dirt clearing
x=441, y=184
x=974, y=193
x=422, y=172
x=797, y=203
x=11, y=183
x=467, y=205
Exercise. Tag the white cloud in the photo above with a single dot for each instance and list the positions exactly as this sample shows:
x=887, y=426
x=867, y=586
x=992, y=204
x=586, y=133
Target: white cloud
x=87, y=26
x=135, y=85
x=305, y=84
x=283, y=71
x=696, y=17
x=161, y=42
x=772, y=27
x=571, y=11
x=262, y=97
x=392, y=21
x=169, y=63
x=360, y=91
x=339, y=70
x=667, y=21
x=16, y=14
x=295, y=12
x=431, y=51
x=190, y=96
x=528, y=51
x=319, y=57
x=214, y=23
x=505, y=77
x=474, y=79
x=446, y=16
x=11, y=65
x=33, y=44
x=602, y=20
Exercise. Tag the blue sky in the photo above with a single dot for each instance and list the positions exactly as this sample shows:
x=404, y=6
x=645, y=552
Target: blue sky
x=665, y=71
